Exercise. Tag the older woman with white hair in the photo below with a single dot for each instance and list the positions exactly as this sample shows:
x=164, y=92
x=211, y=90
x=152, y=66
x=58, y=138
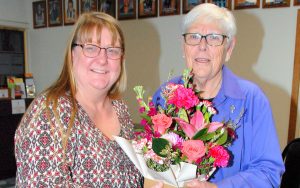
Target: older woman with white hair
x=208, y=42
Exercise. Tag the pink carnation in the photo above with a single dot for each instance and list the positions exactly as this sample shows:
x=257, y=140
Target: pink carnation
x=142, y=109
x=221, y=156
x=152, y=111
x=183, y=97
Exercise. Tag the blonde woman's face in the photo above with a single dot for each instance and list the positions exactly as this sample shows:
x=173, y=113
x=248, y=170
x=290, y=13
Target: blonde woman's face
x=98, y=73
x=206, y=61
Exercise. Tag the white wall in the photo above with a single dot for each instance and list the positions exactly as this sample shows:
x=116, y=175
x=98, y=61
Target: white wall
x=264, y=52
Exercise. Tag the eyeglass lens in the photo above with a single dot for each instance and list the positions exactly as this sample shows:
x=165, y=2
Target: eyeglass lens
x=211, y=39
x=91, y=51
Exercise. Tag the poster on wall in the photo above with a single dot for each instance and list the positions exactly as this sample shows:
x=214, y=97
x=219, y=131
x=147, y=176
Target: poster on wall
x=88, y=6
x=107, y=6
x=169, y=7
x=126, y=9
x=221, y=3
x=187, y=5
x=54, y=13
x=275, y=3
x=147, y=8
x=244, y=4
x=39, y=14
x=70, y=11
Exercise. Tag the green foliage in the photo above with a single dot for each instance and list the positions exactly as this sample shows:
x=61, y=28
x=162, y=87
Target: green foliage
x=159, y=145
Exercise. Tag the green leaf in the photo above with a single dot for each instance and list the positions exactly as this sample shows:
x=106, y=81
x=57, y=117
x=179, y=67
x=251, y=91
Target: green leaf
x=206, y=117
x=222, y=140
x=183, y=115
x=159, y=144
x=208, y=136
x=200, y=134
x=146, y=117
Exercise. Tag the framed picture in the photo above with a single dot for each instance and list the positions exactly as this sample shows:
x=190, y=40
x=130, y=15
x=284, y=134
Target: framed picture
x=189, y=4
x=169, y=7
x=275, y=3
x=39, y=14
x=126, y=9
x=88, y=6
x=296, y=2
x=222, y=3
x=70, y=11
x=54, y=12
x=3, y=93
x=107, y=6
x=147, y=8
x=243, y=4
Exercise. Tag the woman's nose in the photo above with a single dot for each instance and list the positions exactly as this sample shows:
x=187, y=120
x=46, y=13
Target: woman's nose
x=102, y=57
x=203, y=44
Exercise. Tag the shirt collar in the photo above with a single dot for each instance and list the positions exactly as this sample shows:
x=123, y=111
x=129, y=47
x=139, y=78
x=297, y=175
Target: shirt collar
x=230, y=86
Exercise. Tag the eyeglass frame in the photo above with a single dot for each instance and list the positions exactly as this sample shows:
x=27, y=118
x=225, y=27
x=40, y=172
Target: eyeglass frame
x=205, y=37
x=100, y=48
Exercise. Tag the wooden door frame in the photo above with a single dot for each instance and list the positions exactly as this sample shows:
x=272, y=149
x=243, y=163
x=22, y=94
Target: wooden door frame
x=295, y=85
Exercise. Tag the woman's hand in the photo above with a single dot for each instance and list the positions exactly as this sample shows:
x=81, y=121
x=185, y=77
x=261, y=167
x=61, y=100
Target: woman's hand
x=158, y=185
x=199, y=184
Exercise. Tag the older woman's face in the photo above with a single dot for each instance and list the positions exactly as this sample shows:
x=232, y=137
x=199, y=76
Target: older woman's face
x=98, y=73
x=206, y=61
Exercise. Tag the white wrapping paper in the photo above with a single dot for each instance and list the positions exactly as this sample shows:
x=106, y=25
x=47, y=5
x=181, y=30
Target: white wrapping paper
x=175, y=176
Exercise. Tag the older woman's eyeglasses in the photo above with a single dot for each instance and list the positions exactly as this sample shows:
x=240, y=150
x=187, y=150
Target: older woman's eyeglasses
x=194, y=39
x=91, y=50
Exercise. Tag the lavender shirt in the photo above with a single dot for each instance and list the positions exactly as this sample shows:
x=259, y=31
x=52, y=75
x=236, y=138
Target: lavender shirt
x=257, y=160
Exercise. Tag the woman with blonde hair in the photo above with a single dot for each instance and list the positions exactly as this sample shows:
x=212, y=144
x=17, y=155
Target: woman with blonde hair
x=65, y=138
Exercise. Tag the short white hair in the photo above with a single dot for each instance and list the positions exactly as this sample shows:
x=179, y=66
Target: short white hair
x=211, y=13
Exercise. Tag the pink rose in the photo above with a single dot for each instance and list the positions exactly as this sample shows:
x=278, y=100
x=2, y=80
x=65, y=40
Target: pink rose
x=161, y=123
x=221, y=156
x=193, y=149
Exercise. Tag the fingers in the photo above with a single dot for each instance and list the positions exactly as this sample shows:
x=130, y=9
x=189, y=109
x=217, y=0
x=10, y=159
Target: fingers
x=193, y=183
x=158, y=185
x=199, y=184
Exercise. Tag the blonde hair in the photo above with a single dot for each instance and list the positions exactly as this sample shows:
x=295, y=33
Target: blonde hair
x=65, y=85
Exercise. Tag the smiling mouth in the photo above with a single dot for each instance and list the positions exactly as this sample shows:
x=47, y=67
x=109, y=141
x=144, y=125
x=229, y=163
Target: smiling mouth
x=202, y=60
x=99, y=71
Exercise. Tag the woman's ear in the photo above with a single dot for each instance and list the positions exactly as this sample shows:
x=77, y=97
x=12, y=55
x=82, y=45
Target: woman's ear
x=230, y=48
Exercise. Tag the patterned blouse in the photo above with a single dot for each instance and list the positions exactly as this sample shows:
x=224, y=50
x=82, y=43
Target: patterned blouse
x=90, y=160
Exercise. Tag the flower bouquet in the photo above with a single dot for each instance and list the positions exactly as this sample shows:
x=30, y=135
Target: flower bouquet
x=178, y=142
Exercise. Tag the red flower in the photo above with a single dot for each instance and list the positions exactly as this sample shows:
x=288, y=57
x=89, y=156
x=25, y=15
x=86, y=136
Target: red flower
x=220, y=155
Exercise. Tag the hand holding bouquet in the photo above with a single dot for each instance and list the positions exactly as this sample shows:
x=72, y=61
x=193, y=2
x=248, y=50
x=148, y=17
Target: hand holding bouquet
x=179, y=136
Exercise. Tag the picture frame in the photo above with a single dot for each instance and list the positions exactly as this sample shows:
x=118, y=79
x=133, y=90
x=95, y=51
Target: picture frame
x=126, y=9
x=169, y=7
x=147, y=8
x=54, y=11
x=39, y=13
x=4, y=93
x=244, y=4
x=275, y=3
x=221, y=3
x=71, y=11
x=107, y=6
x=88, y=6
x=187, y=5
